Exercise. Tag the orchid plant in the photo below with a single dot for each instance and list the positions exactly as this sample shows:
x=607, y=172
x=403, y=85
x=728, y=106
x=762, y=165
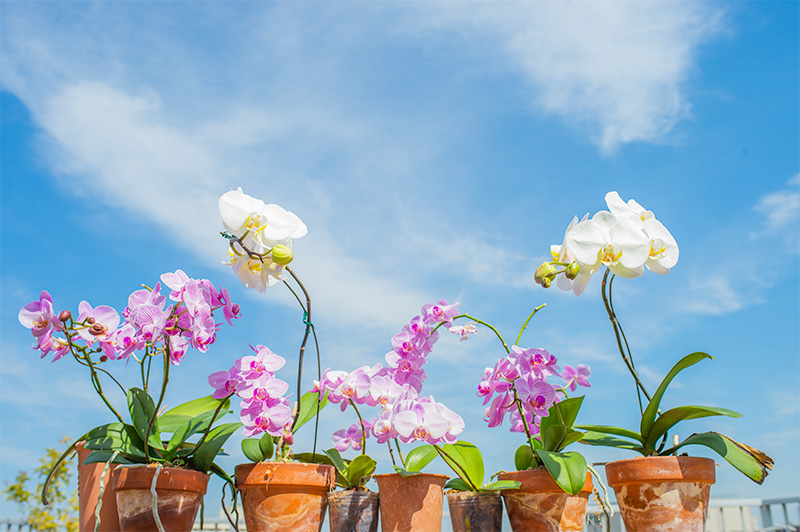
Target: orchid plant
x=518, y=385
x=626, y=239
x=150, y=329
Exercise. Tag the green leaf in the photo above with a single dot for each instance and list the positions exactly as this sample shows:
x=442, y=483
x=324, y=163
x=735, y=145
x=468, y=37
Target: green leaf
x=469, y=458
x=604, y=440
x=567, y=469
x=523, y=458
x=503, y=485
x=672, y=417
x=419, y=457
x=553, y=439
x=457, y=484
x=217, y=470
x=252, y=450
x=360, y=470
x=204, y=455
x=266, y=444
x=338, y=461
x=569, y=412
x=125, y=440
x=750, y=461
x=313, y=458
x=571, y=437
x=187, y=430
x=143, y=409
x=308, y=408
x=616, y=431
x=101, y=457
x=651, y=411
x=172, y=419
x=404, y=472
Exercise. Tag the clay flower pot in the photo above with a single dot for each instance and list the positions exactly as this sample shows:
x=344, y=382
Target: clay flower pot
x=88, y=490
x=662, y=493
x=278, y=496
x=475, y=512
x=540, y=505
x=179, y=491
x=411, y=504
x=353, y=511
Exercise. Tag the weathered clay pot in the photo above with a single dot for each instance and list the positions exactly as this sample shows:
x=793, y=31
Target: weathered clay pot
x=662, y=493
x=540, y=505
x=284, y=497
x=475, y=512
x=411, y=504
x=179, y=491
x=88, y=490
x=353, y=511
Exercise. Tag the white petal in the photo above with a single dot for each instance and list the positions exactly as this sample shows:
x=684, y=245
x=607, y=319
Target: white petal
x=301, y=230
x=604, y=219
x=280, y=224
x=585, y=241
x=580, y=282
x=656, y=267
x=628, y=273
x=656, y=229
x=234, y=207
x=634, y=243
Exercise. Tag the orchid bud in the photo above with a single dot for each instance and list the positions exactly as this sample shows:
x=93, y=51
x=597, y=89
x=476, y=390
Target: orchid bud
x=282, y=254
x=97, y=329
x=103, y=358
x=546, y=282
x=288, y=437
x=65, y=316
x=89, y=320
x=572, y=270
x=544, y=271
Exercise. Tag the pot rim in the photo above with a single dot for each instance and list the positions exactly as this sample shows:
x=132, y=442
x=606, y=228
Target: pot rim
x=660, y=469
x=277, y=474
x=385, y=475
x=169, y=478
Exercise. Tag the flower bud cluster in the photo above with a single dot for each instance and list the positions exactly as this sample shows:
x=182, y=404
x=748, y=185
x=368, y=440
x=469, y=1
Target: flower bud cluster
x=626, y=238
x=518, y=383
x=147, y=323
x=263, y=405
x=262, y=237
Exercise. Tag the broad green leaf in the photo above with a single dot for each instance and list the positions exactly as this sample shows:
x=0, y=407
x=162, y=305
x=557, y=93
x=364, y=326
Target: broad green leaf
x=143, y=409
x=187, y=430
x=568, y=408
x=360, y=470
x=125, y=440
x=523, y=458
x=567, y=469
x=503, y=485
x=204, y=455
x=672, y=417
x=750, y=461
x=404, y=472
x=419, y=457
x=101, y=457
x=252, y=450
x=266, y=444
x=469, y=458
x=338, y=461
x=571, y=437
x=616, y=431
x=553, y=439
x=103, y=430
x=308, y=408
x=457, y=484
x=651, y=411
x=172, y=419
x=604, y=440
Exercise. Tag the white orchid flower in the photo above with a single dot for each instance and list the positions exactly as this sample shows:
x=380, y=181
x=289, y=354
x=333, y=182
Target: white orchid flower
x=268, y=224
x=562, y=254
x=607, y=240
x=663, y=248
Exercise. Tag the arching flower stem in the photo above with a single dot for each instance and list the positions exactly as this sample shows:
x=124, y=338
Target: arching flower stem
x=525, y=325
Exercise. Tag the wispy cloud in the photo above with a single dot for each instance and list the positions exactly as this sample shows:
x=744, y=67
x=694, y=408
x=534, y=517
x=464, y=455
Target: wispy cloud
x=616, y=70
x=781, y=211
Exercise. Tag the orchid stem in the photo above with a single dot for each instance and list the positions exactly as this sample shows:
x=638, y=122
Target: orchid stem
x=400, y=453
x=525, y=325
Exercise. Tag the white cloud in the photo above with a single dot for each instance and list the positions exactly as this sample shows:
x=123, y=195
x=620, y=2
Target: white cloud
x=713, y=295
x=615, y=69
x=782, y=212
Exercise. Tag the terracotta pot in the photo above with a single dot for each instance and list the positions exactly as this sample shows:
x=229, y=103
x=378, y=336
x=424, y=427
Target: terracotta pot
x=353, y=511
x=88, y=490
x=284, y=497
x=662, y=493
x=411, y=504
x=540, y=505
x=179, y=491
x=475, y=512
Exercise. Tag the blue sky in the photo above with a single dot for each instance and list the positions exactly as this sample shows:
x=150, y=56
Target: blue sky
x=435, y=150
